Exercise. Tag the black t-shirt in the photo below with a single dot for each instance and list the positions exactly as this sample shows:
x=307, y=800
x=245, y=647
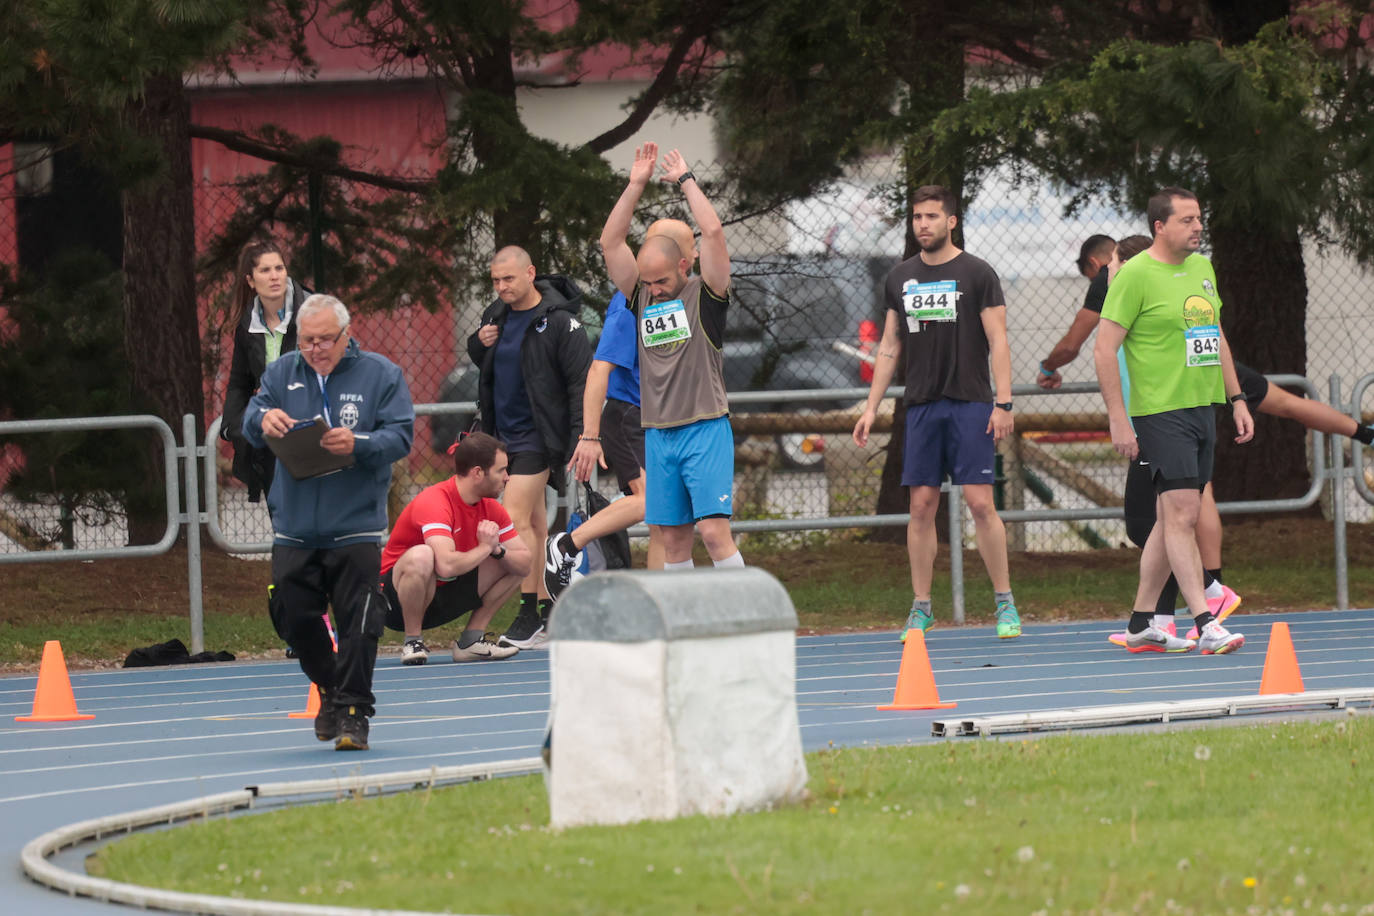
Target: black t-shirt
x=946, y=348
x=1097, y=292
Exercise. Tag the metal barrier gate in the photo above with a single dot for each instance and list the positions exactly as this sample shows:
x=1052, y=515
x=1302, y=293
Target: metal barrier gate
x=198, y=461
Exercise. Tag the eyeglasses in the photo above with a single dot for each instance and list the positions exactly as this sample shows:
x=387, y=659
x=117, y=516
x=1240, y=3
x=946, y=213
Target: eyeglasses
x=321, y=343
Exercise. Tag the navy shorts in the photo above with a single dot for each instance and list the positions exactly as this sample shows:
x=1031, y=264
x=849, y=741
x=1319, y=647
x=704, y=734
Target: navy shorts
x=948, y=437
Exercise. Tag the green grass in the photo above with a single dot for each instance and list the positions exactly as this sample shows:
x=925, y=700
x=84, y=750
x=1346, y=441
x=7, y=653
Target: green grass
x=1260, y=818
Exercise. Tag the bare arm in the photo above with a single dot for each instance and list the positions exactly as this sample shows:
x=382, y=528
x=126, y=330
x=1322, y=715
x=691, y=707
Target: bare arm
x=615, y=249
x=1066, y=351
x=714, y=255
x=994, y=319
x=588, y=453
x=1110, y=336
x=884, y=365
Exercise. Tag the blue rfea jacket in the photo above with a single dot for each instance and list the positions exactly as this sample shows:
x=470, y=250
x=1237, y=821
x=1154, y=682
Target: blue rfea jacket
x=367, y=393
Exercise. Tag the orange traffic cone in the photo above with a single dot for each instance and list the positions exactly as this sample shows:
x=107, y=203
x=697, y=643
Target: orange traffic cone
x=1281, y=674
x=312, y=705
x=53, y=701
x=915, y=680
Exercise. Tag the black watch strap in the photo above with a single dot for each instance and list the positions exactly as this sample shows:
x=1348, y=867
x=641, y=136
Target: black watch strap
x=1236, y=397
x=1005, y=405
x=500, y=547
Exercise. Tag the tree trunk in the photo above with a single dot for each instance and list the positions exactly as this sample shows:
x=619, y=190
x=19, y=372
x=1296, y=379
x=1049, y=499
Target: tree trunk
x=1264, y=294
x=497, y=133
x=161, y=336
x=938, y=83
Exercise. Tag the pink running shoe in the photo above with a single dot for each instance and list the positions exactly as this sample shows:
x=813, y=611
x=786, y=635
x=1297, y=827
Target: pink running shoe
x=1221, y=607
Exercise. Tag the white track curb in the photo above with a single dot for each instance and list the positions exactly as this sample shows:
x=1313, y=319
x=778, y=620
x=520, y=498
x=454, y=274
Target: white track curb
x=34, y=857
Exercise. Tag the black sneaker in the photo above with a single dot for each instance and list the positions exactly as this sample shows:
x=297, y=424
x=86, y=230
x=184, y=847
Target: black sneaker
x=526, y=631
x=352, y=731
x=327, y=719
x=414, y=652
x=558, y=565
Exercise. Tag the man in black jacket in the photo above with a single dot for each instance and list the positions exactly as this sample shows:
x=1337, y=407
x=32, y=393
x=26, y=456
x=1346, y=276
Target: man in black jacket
x=533, y=355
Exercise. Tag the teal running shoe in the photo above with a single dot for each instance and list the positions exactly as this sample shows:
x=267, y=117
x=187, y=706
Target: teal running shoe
x=918, y=620
x=1008, y=621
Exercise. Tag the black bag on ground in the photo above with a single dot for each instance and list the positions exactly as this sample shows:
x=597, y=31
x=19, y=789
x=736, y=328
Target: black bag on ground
x=611, y=551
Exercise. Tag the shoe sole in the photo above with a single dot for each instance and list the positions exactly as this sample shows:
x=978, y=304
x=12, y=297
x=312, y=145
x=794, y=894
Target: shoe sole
x=1009, y=635
x=348, y=744
x=1227, y=611
x=1160, y=649
x=485, y=658
x=414, y=659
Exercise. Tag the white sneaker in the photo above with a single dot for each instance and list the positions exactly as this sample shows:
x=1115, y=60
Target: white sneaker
x=1217, y=640
x=482, y=651
x=1153, y=639
x=414, y=652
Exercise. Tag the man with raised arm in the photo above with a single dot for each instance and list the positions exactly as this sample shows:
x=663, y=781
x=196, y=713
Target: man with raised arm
x=688, y=445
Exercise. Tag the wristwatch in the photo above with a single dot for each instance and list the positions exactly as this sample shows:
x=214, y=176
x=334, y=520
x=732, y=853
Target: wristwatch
x=1005, y=405
x=1236, y=397
x=497, y=556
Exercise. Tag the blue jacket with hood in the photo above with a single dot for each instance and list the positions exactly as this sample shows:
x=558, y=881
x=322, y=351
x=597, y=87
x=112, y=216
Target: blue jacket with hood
x=367, y=393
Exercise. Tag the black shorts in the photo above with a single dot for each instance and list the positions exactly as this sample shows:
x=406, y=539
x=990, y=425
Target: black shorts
x=1253, y=385
x=622, y=439
x=452, y=599
x=528, y=463
x=1179, y=445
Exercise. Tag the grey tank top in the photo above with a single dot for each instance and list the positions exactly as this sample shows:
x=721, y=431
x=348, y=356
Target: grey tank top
x=681, y=380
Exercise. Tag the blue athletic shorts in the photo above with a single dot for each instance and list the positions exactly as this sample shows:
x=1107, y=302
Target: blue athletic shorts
x=691, y=472
x=948, y=437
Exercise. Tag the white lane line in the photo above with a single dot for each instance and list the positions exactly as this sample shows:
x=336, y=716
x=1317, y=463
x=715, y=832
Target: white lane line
x=257, y=774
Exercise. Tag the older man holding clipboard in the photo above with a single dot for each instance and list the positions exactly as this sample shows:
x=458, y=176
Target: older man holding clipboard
x=329, y=507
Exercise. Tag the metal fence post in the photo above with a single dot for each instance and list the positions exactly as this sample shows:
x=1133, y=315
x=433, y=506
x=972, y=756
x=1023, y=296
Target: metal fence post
x=191, y=453
x=1338, y=507
x=956, y=551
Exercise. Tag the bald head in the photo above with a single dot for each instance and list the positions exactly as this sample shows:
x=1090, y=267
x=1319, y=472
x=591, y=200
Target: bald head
x=679, y=232
x=518, y=257
x=512, y=276
x=662, y=268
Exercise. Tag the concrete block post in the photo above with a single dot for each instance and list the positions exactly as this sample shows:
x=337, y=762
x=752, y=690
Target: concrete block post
x=672, y=694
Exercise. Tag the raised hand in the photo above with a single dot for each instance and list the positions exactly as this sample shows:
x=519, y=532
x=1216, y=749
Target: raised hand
x=646, y=157
x=674, y=166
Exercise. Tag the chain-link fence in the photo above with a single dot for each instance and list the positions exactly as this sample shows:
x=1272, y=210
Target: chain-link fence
x=808, y=305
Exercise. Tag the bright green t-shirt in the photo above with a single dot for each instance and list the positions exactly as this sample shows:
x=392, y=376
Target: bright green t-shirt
x=1172, y=317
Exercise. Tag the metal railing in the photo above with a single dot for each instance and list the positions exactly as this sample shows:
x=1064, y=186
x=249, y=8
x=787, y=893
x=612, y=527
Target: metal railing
x=171, y=455
x=190, y=482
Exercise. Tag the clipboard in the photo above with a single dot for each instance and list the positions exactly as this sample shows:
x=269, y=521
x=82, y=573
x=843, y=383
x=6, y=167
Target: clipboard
x=301, y=454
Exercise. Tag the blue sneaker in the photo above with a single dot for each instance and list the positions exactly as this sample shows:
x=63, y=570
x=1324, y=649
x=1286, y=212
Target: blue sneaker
x=1008, y=621
x=918, y=620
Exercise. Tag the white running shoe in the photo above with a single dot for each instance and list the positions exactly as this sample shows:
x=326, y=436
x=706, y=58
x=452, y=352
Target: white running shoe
x=482, y=651
x=1217, y=640
x=1153, y=639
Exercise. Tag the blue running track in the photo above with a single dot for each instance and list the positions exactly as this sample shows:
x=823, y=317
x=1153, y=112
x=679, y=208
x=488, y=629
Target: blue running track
x=168, y=734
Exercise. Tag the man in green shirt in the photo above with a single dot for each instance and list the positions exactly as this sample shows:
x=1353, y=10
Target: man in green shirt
x=1163, y=310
